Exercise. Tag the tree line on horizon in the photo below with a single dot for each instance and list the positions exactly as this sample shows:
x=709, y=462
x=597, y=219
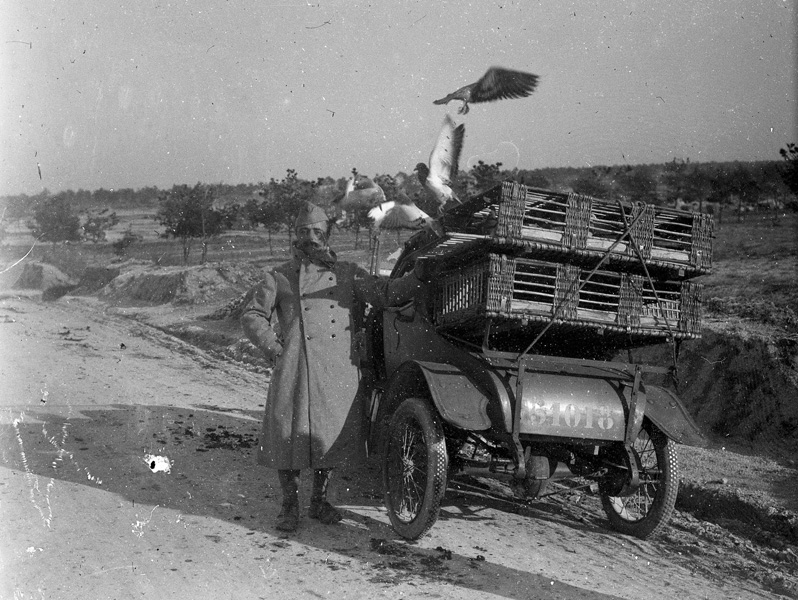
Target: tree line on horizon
x=203, y=211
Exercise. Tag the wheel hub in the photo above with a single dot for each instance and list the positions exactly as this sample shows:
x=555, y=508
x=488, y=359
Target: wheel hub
x=623, y=478
x=408, y=466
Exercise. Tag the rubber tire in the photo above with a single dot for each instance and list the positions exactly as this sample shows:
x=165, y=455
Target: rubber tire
x=654, y=500
x=530, y=489
x=430, y=463
x=536, y=487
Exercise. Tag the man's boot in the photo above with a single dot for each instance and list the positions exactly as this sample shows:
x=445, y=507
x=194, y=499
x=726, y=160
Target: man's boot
x=319, y=507
x=288, y=519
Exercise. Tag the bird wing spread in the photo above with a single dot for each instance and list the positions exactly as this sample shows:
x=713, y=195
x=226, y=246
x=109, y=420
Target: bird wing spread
x=377, y=214
x=395, y=215
x=498, y=83
x=364, y=198
x=404, y=216
x=446, y=154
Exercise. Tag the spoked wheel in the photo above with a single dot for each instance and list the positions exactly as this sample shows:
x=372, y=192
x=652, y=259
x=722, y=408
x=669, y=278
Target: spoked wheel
x=414, y=470
x=647, y=509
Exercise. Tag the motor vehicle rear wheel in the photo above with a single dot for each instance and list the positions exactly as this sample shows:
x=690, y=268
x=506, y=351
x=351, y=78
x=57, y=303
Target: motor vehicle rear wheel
x=647, y=510
x=415, y=468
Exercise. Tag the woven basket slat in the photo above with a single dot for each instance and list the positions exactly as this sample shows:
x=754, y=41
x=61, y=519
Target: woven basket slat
x=566, y=294
x=642, y=230
x=500, y=286
x=701, y=250
x=630, y=303
x=511, y=210
x=577, y=221
x=690, y=312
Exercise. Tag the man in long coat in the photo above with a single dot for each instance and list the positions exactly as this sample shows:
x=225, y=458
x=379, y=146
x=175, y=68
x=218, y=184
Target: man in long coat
x=314, y=416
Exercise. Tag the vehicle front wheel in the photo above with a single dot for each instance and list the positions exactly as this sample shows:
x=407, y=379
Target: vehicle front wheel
x=414, y=470
x=647, y=509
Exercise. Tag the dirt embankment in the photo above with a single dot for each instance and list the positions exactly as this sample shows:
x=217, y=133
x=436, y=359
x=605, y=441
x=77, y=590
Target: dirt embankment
x=738, y=386
x=739, y=381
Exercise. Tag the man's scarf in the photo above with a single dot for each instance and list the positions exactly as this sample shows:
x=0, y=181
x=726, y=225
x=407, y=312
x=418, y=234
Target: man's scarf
x=320, y=256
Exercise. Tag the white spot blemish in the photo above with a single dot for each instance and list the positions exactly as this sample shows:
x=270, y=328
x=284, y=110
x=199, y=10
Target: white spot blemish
x=138, y=526
x=62, y=452
x=158, y=464
x=31, y=479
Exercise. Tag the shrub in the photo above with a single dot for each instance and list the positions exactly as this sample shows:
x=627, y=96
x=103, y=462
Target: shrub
x=120, y=246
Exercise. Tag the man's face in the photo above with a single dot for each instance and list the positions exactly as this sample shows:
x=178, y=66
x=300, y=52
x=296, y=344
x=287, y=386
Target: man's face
x=311, y=236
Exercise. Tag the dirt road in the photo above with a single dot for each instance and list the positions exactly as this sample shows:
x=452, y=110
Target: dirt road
x=90, y=398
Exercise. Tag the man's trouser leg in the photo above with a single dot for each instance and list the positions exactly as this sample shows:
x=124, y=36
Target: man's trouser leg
x=319, y=507
x=288, y=519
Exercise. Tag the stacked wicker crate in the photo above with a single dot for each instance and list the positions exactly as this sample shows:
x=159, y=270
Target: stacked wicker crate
x=519, y=255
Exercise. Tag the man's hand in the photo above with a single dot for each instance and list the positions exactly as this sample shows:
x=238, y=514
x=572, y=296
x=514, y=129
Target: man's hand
x=272, y=351
x=425, y=268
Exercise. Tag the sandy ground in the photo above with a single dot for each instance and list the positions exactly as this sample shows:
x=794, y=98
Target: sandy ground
x=91, y=397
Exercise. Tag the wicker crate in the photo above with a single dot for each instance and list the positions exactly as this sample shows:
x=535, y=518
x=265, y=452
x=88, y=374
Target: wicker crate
x=672, y=243
x=528, y=291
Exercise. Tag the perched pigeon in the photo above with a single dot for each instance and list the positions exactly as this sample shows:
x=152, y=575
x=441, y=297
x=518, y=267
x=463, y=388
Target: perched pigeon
x=350, y=186
x=401, y=213
x=361, y=192
x=438, y=176
x=495, y=84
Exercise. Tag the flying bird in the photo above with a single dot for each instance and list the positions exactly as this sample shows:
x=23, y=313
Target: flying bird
x=438, y=176
x=401, y=213
x=496, y=84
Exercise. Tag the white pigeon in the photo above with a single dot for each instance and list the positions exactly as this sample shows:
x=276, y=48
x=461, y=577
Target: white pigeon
x=438, y=176
x=401, y=213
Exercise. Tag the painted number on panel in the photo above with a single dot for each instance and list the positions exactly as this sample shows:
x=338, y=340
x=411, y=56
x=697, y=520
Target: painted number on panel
x=570, y=415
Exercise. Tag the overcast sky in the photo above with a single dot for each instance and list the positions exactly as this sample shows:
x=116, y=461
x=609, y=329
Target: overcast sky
x=133, y=93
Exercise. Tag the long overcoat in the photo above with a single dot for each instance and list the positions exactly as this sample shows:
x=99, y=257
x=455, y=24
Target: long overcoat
x=315, y=416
